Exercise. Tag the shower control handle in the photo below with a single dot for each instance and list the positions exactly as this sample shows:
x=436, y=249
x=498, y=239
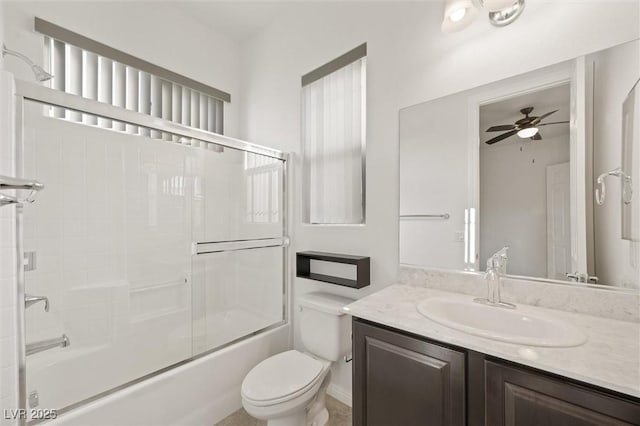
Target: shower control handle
x=30, y=300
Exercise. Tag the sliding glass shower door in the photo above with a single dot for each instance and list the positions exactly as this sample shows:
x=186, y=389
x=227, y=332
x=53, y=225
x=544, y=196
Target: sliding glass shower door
x=151, y=248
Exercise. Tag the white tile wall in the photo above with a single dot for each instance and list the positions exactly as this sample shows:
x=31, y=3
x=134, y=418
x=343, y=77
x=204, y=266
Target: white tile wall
x=8, y=327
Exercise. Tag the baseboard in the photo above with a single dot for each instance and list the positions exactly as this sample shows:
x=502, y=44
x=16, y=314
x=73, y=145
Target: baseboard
x=340, y=394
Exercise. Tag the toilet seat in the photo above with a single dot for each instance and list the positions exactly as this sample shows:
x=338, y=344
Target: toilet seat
x=281, y=378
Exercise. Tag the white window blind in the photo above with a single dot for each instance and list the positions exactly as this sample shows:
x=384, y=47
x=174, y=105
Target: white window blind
x=263, y=188
x=333, y=115
x=90, y=75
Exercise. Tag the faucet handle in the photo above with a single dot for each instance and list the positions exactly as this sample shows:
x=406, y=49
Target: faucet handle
x=30, y=300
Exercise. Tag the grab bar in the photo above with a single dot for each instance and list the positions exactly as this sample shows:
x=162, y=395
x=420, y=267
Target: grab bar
x=236, y=245
x=45, y=345
x=443, y=216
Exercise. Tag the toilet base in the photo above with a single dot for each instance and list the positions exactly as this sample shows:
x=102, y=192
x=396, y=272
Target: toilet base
x=315, y=414
x=297, y=419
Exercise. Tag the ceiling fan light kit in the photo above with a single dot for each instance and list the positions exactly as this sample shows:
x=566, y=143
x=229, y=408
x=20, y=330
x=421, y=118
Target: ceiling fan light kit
x=525, y=128
x=459, y=14
x=529, y=132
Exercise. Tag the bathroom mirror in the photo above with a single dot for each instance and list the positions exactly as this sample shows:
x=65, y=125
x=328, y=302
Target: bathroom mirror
x=547, y=163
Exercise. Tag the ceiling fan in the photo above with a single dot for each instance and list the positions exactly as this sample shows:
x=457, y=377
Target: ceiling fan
x=526, y=127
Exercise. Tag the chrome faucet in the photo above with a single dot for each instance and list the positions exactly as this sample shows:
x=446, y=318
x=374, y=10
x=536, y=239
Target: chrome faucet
x=45, y=345
x=496, y=269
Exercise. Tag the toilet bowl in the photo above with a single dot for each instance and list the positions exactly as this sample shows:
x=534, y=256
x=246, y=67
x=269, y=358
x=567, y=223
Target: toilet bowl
x=289, y=388
x=283, y=388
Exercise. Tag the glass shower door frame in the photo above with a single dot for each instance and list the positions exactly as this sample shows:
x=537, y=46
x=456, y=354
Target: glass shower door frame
x=26, y=91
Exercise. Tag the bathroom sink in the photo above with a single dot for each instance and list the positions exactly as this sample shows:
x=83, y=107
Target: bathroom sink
x=520, y=325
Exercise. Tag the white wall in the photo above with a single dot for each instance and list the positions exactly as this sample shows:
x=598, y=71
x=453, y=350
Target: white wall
x=513, y=201
x=409, y=61
x=616, y=71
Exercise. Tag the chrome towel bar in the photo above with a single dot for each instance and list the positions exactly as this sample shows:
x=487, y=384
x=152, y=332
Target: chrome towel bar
x=443, y=216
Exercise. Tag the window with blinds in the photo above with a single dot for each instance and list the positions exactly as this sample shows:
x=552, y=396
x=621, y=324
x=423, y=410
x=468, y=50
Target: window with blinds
x=263, y=176
x=333, y=139
x=87, y=68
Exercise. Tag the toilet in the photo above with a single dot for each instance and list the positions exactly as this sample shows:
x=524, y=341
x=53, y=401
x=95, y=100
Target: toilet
x=288, y=389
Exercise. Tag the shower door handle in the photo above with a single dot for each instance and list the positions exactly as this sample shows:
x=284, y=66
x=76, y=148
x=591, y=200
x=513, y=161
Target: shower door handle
x=30, y=300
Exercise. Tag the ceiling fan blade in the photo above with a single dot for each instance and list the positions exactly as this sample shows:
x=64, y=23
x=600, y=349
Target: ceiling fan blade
x=501, y=137
x=536, y=137
x=543, y=116
x=555, y=122
x=501, y=128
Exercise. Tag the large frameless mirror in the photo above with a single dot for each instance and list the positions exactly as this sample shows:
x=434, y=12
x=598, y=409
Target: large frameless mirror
x=546, y=163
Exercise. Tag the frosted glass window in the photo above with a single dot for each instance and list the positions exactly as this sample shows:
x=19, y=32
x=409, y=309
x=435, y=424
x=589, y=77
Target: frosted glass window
x=87, y=74
x=333, y=122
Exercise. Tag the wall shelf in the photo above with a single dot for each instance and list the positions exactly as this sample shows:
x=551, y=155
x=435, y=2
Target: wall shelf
x=362, y=263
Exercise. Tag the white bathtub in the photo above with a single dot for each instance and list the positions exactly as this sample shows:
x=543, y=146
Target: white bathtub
x=201, y=392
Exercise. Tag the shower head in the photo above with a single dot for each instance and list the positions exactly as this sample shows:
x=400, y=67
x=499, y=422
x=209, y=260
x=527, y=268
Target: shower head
x=38, y=71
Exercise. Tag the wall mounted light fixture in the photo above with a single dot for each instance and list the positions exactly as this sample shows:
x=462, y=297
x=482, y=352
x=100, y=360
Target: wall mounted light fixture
x=459, y=14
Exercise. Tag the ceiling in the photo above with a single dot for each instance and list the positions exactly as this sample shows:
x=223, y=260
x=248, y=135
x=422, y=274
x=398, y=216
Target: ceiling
x=238, y=20
x=543, y=101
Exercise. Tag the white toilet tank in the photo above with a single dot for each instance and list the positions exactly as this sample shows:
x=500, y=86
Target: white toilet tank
x=325, y=329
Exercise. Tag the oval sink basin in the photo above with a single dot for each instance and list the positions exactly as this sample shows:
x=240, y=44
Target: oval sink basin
x=506, y=325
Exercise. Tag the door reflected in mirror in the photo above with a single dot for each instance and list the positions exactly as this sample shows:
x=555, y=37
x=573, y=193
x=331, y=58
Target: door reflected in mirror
x=517, y=163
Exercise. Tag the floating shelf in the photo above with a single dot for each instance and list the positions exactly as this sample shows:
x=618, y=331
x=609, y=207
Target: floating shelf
x=363, y=268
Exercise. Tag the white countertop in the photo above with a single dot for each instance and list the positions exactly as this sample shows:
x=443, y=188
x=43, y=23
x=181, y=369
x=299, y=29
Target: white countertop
x=610, y=358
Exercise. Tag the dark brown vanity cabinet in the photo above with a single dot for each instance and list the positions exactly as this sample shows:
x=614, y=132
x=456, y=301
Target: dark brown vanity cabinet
x=516, y=396
x=404, y=380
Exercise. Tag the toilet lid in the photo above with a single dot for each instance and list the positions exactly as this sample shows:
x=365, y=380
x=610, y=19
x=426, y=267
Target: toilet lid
x=281, y=375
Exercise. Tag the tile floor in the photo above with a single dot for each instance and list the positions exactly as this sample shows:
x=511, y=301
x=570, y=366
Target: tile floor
x=339, y=415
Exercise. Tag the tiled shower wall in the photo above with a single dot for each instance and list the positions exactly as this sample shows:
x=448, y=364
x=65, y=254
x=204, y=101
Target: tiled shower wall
x=8, y=329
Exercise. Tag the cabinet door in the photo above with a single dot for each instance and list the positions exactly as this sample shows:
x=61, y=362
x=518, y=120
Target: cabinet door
x=401, y=380
x=524, y=398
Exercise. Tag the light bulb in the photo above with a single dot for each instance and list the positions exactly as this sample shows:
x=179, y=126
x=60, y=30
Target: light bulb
x=528, y=132
x=457, y=15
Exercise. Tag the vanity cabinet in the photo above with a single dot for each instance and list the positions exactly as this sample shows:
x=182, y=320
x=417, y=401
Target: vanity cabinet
x=516, y=396
x=403, y=379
